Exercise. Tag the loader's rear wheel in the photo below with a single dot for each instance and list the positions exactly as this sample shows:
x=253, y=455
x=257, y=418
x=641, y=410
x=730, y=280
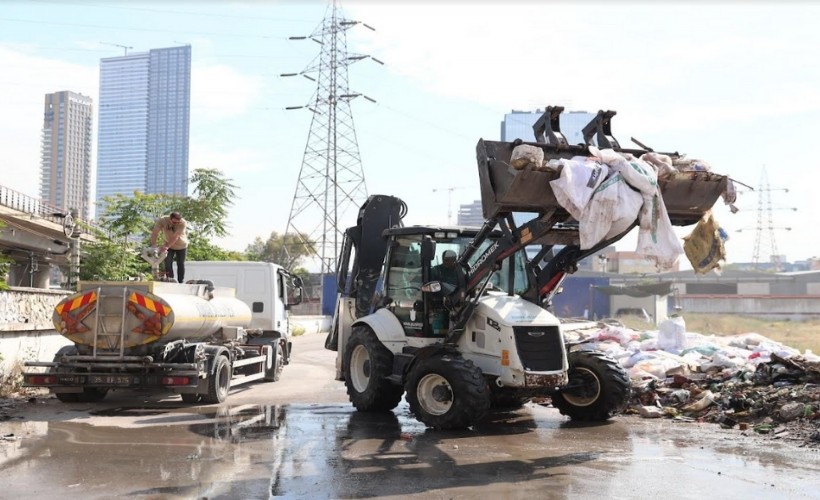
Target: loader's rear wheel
x=220, y=382
x=447, y=392
x=367, y=364
x=598, y=387
x=274, y=371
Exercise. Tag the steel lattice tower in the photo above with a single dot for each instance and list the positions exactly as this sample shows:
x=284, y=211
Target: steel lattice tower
x=331, y=180
x=765, y=228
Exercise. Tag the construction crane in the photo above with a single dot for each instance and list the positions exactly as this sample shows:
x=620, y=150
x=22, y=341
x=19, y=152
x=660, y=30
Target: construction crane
x=123, y=47
x=449, y=190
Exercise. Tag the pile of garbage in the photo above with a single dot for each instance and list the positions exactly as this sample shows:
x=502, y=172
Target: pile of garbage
x=746, y=382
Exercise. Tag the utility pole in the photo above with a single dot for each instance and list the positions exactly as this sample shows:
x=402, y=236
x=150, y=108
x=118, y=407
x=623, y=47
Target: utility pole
x=123, y=47
x=331, y=180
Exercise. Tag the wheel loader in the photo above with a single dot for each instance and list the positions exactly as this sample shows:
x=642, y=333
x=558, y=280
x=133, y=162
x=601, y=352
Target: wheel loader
x=488, y=340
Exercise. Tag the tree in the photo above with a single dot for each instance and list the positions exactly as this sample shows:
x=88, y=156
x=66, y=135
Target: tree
x=127, y=221
x=286, y=250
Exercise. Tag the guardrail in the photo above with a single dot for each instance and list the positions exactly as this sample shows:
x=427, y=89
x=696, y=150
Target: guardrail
x=25, y=203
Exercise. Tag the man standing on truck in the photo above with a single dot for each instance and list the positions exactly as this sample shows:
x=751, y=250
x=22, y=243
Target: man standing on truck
x=173, y=228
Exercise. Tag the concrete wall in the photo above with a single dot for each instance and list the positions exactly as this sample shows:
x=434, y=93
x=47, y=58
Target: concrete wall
x=792, y=307
x=26, y=331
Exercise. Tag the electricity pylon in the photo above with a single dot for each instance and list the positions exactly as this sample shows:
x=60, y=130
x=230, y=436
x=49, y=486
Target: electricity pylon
x=765, y=229
x=331, y=180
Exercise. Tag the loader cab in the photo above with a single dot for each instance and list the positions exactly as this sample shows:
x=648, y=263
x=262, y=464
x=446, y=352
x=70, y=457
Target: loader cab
x=415, y=254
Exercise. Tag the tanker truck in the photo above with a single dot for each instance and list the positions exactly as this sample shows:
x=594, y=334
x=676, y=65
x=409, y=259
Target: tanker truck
x=194, y=339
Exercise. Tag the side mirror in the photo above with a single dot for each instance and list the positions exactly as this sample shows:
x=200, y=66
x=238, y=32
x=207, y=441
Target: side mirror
x=428, y=249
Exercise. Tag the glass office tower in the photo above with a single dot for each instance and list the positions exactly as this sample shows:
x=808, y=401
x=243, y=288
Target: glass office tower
x=144, y=122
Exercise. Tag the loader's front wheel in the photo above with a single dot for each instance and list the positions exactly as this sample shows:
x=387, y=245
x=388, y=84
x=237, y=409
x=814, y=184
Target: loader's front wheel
x=598, y=387
x=447, y=392
x=367, y=364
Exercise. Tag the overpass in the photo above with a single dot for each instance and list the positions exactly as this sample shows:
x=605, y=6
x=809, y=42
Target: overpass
x=37, y=238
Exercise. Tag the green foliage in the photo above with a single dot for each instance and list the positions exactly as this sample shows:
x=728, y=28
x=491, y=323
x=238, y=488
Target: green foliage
x=200, y=248
x=127, y=222
x=286, y=250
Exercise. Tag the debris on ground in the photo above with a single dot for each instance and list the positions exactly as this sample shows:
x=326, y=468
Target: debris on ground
x=746, y=382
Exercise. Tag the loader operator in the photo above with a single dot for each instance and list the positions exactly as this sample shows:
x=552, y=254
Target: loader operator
x=446, y=272
x=173, y=228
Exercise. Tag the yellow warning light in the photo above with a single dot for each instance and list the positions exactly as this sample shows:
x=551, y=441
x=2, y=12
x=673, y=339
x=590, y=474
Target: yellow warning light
x=505, y=357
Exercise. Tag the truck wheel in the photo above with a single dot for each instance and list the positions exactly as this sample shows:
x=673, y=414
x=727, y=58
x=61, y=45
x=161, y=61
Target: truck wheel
x=92, y=394
x=274, y=371
x=219, y=383
x=68, y=397
x=191, y=398
x=598, y=387
x=89, y=395
x=367, y=364
x=447, y=392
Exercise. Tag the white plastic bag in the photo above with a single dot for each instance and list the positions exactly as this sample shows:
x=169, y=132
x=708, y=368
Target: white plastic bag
x=672, y=334
x=579, y=178
x=612, y=209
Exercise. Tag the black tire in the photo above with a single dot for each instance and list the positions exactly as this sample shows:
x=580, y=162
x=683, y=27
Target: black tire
x=598, y=388
x=68, y=397
x=446, y=391
x=273, y=372
x=220, y=382
x=367, y=364
x=92, y=394
x=191, y=398
x=506, y=398
x=89, y=395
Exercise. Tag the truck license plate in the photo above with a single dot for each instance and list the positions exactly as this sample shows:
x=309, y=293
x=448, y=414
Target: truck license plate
x=110, y=379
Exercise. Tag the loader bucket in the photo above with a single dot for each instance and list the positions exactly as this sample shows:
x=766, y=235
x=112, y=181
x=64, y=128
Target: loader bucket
x=687, y=195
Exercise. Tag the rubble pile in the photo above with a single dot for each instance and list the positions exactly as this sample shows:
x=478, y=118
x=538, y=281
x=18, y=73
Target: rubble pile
x=746, y=382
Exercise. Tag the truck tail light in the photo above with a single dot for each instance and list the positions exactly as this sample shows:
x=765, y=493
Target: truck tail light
x=176, y=380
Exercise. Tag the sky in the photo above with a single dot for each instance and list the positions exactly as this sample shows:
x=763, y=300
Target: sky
x=734, y=84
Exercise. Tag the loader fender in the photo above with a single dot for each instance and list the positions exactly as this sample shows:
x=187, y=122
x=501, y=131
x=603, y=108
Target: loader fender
x=386, y=327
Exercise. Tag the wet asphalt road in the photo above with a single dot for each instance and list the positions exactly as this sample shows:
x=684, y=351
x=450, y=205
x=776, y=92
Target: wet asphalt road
x=299, y=438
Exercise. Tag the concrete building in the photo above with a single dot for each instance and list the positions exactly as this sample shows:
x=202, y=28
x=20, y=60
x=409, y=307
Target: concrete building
x=518, y=125
x=470, y=214
x=144, y=123
x=65, y=170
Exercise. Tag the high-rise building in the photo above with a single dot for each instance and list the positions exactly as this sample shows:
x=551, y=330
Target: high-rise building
x=65, y=171
x=144, y=123
x=518, y=125
x=470, y=214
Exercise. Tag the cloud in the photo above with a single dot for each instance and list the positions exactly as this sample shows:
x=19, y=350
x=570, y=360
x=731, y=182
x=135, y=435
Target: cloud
x=25, y=79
